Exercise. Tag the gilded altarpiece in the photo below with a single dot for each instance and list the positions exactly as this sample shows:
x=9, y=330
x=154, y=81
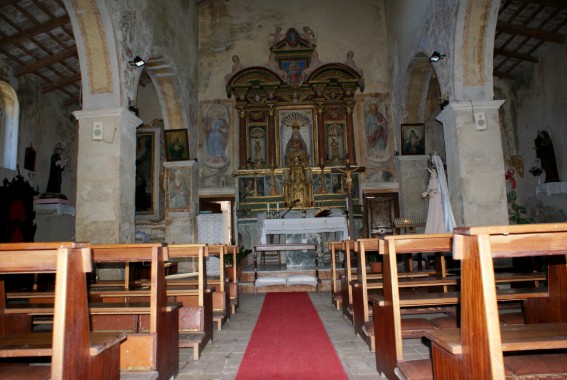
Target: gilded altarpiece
x=295, y=125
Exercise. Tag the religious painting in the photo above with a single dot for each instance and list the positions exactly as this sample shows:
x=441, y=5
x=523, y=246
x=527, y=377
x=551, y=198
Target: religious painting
x=412, y=139
x=216, y=122
x=148, y=163
x=179, y=188
x=176, y=145
x=257, y=145
x=294, y=69
x=216, y=138
x=318, y=183
x=251, y=187
x=275, y=188
x=338, y=184
x=296, y=136
x=334, y=137
x=375, y=137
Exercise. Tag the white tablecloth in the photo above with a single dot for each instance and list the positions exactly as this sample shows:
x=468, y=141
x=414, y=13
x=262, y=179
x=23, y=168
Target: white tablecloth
x=303, y=226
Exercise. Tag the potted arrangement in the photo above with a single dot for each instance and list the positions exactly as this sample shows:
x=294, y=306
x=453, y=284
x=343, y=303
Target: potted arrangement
x=229, y=264
x=375, y=263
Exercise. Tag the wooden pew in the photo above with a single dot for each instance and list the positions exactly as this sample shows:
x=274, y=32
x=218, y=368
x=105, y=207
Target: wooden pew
x=233, y=286
x=336, y=295
x=350, y=248
x=367, y=283
x=75, y=352
x=221, y=295
x=152, y=343
x=196, y=314
x=478, y=348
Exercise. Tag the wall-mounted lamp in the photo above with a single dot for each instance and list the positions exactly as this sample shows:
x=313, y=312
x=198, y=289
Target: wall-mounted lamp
x=137, y=61
x=436, y=57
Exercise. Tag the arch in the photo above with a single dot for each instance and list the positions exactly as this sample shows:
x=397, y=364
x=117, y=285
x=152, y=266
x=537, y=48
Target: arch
x=474, y=49
x=9, y=117
x=93, y=30
x=166, y=82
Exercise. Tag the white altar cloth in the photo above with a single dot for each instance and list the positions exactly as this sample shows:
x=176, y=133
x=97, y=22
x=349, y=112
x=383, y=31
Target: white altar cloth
x=303, y=226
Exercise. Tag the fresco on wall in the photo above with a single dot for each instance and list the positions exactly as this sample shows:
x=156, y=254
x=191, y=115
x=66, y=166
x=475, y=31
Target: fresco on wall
x=375, y=137
x=215, y=145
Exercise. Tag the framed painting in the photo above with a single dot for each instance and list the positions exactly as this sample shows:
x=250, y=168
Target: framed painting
x=148, y=163
x=176, y=145
x=412, y=139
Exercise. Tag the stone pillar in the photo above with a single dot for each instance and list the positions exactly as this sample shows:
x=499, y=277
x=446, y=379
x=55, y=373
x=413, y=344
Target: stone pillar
x=181, y=201
x=413, y=178
x=106, y=170
x=475, y=162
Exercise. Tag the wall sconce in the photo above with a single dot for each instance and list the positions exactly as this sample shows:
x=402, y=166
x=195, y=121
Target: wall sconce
x=436, y=57
x=137, y=62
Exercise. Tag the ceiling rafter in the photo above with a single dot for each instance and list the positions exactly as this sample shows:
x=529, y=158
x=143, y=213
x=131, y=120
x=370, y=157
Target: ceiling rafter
x=29, y=33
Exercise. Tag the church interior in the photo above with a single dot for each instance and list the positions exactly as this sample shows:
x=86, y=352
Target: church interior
x=293, y=124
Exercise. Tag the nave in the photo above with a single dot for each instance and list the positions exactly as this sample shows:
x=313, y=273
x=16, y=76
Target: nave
x=221, y=358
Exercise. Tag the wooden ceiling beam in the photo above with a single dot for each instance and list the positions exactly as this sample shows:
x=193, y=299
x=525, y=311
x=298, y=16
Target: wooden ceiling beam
x=28, y=34
x=513, y=54
x=539, y=34
x=47, y=61
x=503, y=75
x=62, y=83
x=549, y=3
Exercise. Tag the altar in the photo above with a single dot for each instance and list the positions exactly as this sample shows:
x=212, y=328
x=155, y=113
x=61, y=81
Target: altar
x=304, y=230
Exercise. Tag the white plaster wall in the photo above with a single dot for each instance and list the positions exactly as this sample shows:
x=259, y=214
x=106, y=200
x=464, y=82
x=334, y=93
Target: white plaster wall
x=242, y=27
x=148, y=103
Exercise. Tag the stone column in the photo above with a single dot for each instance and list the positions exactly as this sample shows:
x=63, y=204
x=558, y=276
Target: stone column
x=413, y=178
x=475, y=162
x=106, y=170
x=181, y=185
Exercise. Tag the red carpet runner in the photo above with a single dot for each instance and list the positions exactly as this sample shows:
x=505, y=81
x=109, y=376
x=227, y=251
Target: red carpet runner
x=289, y=341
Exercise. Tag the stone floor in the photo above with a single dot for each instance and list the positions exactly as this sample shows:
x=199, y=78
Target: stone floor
x=221, y=358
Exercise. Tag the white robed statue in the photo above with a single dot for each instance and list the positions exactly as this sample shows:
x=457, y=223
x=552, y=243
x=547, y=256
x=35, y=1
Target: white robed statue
x=440, y=217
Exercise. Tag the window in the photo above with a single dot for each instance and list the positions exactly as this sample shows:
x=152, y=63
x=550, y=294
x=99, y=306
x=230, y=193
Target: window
x=9, y=116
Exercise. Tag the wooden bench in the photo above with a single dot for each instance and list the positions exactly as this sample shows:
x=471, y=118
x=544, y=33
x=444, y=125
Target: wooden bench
x=152, y=343
x=367, y=283
x=350, y=248
x=221, y=295
x=233, y=286
x=75, y=352
x=336, y=296
x=478, y=348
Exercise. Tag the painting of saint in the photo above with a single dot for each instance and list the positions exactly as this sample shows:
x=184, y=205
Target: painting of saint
x=217, y=135
x=376, y=129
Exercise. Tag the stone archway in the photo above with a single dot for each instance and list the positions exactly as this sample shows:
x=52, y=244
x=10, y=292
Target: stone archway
x=9, y=116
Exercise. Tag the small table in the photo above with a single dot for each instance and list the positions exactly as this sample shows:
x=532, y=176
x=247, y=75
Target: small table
x=285, y=247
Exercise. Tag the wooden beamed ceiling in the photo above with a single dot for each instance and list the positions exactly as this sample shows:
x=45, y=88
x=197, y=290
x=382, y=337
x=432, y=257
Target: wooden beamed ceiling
x=36, y=40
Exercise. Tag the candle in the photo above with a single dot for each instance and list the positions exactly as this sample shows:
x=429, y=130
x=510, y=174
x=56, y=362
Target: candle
x=278, y=206
x=346, y=201
x=268, y=207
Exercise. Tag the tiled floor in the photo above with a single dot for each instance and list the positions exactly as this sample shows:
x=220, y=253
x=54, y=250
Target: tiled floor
x=221, y=358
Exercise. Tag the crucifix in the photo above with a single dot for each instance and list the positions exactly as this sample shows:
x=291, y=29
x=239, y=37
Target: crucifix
x=347, y=171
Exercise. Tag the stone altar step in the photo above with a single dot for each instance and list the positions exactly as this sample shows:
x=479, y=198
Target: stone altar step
x=246, y=283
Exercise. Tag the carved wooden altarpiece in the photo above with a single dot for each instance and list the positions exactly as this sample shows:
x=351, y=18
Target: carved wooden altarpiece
x=294, y=106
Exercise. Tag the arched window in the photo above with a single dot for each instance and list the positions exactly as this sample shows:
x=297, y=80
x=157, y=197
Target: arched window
x=9, y=116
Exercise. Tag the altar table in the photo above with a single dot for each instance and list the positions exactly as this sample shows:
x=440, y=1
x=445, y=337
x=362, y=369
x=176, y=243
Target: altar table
x=304, y=226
